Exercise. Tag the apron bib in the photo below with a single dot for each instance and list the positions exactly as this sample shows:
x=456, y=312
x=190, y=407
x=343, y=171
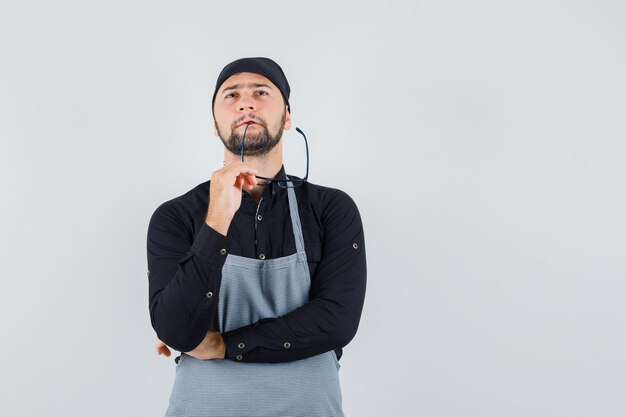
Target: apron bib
x=253, y=289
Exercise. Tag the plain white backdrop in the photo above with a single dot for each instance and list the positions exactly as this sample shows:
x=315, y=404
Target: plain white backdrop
x=482, y=141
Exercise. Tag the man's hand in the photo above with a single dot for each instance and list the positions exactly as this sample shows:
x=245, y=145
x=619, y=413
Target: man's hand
x=225, y=194
x=161, y=348
x=211, y=347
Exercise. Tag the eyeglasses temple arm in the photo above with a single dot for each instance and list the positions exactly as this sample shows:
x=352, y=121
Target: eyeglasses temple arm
x=243, y=140
x=306, y=144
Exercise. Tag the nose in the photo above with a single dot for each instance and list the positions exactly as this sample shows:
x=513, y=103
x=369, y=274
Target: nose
x=246, y=104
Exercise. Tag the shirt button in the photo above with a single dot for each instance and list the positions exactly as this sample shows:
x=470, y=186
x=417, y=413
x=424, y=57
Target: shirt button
x=259, y=217
x=287, y=345
x=261, y=256
x=355, y=246
x=209, y=295
x=223, y=251
x=239, y=357
x=241, y=345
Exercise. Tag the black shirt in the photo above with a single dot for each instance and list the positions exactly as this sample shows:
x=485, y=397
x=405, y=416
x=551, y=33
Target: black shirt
x=185, y=259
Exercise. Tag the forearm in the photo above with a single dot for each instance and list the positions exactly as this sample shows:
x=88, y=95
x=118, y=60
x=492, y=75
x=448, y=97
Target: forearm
x=282, y=339
x=182, y=311
x=184, y=292
x=327, y=322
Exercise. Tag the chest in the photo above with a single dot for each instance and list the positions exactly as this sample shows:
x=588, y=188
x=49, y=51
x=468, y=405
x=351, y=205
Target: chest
x=264, y=230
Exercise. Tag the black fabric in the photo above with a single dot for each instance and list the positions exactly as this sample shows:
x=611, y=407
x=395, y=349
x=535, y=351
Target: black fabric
x=264, y=66
x=186, y=256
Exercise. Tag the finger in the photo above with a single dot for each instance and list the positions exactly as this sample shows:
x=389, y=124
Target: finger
x=249, y=179
x=239, y=168
x=161, y=348
x=164, y=350
x=248, y=170
x=239, y=182
x=250, y=182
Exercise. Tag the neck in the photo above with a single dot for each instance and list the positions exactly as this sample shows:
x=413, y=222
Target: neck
x=266, y=166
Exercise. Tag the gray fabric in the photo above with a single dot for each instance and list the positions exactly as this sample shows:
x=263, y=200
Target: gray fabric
x=253, y=289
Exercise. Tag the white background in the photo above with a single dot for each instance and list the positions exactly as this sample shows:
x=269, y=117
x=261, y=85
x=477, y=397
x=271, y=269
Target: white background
x=483, y=142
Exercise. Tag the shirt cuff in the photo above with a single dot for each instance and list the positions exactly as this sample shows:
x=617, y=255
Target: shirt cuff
x=210, y=245
x=238, y=344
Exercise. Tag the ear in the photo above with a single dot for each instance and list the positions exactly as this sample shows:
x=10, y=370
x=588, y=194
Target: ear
x=287, y=119
x=215, y=132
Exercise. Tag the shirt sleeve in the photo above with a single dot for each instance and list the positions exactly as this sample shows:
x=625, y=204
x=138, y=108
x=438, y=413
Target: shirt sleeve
x=331, y=317
x=184, y=277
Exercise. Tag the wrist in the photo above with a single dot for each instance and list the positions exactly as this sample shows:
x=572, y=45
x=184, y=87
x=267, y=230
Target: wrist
x=219, y=223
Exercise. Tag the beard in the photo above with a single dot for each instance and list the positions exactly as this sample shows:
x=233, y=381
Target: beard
x=259, y=143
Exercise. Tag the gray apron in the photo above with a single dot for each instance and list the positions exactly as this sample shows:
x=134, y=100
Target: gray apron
x=253, y=289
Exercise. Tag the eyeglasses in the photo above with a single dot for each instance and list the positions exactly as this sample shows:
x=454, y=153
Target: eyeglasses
x=291, y=183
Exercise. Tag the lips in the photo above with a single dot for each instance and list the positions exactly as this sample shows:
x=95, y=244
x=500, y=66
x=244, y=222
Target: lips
x=252, y=122
x=246, y=122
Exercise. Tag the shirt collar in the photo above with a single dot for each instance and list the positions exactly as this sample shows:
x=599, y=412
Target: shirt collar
x=273, y=189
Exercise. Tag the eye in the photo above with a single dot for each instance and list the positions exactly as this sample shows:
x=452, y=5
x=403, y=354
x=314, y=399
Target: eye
x=263, y=93
x=230, y=95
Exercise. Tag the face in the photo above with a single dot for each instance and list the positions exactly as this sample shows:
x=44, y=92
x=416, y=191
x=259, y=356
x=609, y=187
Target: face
x=249, y=97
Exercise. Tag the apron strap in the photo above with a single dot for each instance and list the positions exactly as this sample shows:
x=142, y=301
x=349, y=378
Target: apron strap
x=295, y=222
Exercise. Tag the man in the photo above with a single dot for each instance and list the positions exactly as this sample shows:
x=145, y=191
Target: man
x=257, y=276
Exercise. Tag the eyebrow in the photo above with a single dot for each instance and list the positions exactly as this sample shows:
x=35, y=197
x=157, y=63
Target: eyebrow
x=249, y=85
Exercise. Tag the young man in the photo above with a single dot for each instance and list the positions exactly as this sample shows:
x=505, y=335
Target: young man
x=257, y=276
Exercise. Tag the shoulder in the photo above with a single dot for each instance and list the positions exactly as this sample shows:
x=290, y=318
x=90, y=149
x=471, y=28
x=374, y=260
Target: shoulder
x=334, y=205
x=340, y=221
x=330, y=198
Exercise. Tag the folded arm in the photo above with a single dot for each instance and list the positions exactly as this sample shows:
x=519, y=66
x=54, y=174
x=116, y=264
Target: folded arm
x=185, y=278
x=331, y=317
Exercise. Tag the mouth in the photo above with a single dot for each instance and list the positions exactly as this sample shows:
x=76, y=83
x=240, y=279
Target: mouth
x=247, y=122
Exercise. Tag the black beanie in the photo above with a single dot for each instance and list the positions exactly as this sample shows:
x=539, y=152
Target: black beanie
x=264, y=66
